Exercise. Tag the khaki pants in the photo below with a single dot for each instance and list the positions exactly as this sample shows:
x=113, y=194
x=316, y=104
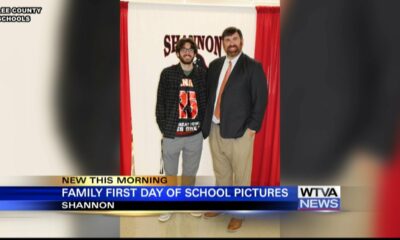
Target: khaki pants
x=232, y=158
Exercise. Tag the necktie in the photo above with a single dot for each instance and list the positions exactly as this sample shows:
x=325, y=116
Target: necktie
x=217, y=111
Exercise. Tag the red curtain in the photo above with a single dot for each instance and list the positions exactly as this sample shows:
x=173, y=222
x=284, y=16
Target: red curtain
x=388, y=212
x=125, y=104
x=266, y=157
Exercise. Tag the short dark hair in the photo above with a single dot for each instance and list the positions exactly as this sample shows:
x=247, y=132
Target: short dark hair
x=230, y=31
x=182, y=43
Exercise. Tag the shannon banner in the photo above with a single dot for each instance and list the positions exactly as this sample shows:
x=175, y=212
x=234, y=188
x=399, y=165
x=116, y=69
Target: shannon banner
x=153, y=31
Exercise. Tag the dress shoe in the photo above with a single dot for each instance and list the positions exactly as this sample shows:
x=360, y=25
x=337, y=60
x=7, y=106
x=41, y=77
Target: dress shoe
x=234, y=224
x=211, y=214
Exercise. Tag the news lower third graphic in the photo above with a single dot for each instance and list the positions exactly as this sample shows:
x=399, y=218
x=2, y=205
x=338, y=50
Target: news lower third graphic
x=155, y=193
x=318, y=198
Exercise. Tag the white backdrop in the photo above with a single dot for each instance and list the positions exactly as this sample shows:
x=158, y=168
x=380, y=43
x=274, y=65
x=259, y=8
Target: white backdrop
x=148, y=24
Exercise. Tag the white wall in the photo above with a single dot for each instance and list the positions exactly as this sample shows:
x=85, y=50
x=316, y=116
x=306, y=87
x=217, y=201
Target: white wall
x=29, y=140
x=215, y=2
x=30, y=143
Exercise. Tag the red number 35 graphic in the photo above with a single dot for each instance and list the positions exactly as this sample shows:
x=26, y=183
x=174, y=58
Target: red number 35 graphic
x=187, y=105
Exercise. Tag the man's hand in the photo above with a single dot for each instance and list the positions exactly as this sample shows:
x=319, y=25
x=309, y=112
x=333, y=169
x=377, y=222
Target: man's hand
x=251, y=132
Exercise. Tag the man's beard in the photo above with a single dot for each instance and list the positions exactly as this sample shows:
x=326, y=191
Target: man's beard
x=182, y=59
x=233, y=51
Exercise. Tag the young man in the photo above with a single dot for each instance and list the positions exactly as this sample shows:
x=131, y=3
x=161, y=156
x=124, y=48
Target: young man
x=181, y=102
x=237, y=98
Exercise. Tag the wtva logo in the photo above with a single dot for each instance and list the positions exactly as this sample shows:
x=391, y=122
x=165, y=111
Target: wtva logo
x=319, y=197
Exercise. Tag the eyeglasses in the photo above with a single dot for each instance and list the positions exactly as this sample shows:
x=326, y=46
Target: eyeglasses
x=187, y=50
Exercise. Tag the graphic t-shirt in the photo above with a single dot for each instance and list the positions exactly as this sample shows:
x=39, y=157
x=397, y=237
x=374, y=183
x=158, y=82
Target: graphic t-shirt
x=188, y=122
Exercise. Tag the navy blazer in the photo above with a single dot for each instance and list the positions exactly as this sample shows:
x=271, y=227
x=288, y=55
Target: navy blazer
x=244, y=98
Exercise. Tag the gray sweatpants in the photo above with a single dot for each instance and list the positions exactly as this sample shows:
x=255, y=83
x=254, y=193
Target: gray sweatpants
x=190, y=147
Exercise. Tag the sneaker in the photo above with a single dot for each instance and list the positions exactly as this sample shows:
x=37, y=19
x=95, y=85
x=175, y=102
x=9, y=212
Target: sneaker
x=164, y=217
x=196, y=214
